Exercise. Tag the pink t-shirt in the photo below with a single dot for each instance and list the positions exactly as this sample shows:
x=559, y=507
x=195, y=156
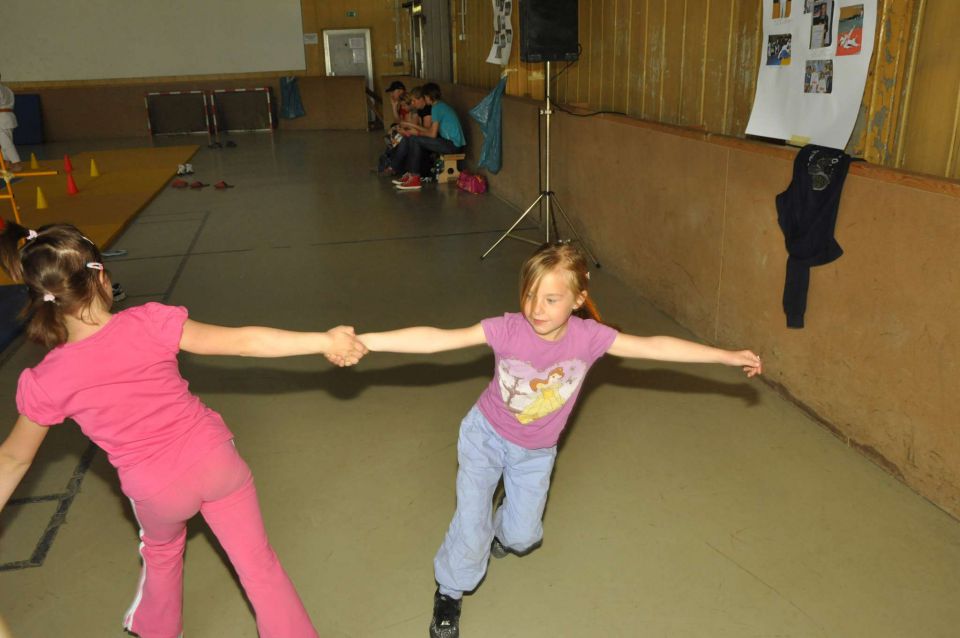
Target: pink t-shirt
x=122, y=386
x=536, y=382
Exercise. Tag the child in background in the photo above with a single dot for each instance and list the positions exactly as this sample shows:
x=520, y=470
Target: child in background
x=443, y=135
x=8, y=122
x=542, y=355
x=116, y=376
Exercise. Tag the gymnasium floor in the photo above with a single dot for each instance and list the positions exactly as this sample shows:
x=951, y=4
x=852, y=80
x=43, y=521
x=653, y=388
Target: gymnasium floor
x=687, y=501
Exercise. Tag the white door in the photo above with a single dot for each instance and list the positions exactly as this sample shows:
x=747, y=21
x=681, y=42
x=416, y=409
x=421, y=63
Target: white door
x=347, y=52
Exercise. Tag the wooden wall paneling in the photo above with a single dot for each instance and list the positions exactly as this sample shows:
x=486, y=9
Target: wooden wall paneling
x=312, y=53
x=743, y=70
x=621, y=63
x=931, y=119
x=694, y=59
x=653, y=48
x=608, y=61
x=638, y=58
x=671, y=81
x=376, y=15
x=595, y=45
x=716, y=77
x=884, y=94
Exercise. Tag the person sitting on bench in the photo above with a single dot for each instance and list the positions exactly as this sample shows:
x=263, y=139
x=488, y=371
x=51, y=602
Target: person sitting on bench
x=443, y=135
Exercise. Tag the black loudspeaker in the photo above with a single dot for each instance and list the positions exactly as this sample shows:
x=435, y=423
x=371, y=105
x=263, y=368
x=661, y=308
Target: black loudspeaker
x=549, y=30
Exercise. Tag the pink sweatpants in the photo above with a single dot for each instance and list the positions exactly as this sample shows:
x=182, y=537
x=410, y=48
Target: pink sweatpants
x=221, y=488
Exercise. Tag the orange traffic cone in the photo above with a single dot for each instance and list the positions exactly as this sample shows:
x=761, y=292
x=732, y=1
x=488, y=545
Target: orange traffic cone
x=71, y=185
x=41, y=200
x=67, y=166
x=93, y=168
x=33, y=162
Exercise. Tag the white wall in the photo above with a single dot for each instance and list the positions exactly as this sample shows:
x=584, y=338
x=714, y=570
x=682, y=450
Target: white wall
x=45, y=40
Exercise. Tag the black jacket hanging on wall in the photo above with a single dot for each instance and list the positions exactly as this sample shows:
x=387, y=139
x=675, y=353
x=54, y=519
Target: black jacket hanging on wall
x=807, y=214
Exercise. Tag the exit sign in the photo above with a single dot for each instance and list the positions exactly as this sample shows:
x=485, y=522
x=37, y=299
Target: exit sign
x=351, y=14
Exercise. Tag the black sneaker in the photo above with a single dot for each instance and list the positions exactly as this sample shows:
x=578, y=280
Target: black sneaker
x=119, y=294
x=446, y=617
x=497, y=550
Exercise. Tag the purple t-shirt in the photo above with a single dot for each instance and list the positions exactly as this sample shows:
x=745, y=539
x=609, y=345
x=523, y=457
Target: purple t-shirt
x=536, y=382
x=122, y=386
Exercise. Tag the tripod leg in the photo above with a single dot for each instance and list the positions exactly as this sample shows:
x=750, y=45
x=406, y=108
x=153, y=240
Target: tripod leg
x=574, y=231
x=515, y=224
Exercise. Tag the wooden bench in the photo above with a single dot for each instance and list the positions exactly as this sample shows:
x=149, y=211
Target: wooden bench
x=450, y=172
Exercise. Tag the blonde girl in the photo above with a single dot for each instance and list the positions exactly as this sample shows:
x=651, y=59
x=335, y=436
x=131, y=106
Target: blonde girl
x=542, y=339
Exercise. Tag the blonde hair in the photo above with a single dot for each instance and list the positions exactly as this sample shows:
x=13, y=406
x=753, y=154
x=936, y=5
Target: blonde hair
x=559, y=257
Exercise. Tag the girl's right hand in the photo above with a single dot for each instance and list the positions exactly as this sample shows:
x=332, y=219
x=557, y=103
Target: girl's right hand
x=749, y=361
x=345, y=348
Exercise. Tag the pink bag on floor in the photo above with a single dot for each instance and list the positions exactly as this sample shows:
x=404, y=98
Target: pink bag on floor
x=471, y=183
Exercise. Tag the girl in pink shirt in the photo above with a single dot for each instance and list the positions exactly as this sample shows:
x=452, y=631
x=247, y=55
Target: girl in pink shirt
x=542, y=355
x=116, y=376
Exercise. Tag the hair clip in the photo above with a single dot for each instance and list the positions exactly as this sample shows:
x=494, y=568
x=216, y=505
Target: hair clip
x=88, y=240
x=48, y=296
x=96, y=265
x=31, y=235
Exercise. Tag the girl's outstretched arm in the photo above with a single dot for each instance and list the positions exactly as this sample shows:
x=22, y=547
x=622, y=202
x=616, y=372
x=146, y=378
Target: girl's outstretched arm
x=424, y=339
x=339, y=344
x=16, y=454
x=673, y=349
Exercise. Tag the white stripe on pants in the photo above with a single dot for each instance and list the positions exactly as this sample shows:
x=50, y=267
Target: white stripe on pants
x=484, y=456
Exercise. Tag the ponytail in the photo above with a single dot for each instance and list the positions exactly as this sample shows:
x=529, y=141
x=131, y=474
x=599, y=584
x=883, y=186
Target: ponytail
x=53, y=263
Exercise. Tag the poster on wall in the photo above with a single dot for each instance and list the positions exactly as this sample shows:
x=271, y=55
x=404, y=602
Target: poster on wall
x=502, y=32
x=810, y=84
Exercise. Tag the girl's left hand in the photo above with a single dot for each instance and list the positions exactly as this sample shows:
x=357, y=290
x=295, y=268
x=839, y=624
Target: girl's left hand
x=749, y=361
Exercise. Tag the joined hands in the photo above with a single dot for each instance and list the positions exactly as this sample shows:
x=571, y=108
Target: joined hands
x=345, y=349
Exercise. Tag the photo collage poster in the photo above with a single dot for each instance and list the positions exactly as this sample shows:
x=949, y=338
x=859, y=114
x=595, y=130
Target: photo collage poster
x=502, y=32
x=816, y=54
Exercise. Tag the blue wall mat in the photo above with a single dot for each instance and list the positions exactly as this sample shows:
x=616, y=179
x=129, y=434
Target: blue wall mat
x=12, y=299
x=29, y=119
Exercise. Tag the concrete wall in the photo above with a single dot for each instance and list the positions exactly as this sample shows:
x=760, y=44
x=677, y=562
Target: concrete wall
x=112, y=110
x=689, y=220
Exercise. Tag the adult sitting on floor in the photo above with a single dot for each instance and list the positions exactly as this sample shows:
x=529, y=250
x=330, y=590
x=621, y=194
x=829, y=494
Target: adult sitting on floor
x=443, y=135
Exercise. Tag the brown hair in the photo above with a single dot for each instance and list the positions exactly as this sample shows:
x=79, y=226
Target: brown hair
x=536, y=383
x=54, y=262
x=550, y=257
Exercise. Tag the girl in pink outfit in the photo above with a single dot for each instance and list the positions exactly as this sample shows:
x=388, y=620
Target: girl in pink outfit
x=116, y=376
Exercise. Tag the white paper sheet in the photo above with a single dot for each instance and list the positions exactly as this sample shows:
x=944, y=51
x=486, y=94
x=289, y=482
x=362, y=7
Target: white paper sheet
x=816, y=55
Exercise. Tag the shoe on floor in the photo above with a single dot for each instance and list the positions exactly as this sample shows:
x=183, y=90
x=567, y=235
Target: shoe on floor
x=119, y=294
x=446, y=617
x=188, y=169
x=497, y=550
x=181, y=169
x=222, y=185
x=401, y=179
x=198, y=184
x=114, y=252
x=412, y=183
x=178, y=183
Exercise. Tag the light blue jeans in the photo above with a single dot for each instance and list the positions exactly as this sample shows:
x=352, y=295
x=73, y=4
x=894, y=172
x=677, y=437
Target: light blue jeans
x=484, y=457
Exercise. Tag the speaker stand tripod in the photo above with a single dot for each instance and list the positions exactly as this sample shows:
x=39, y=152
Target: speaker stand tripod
x=546, y=196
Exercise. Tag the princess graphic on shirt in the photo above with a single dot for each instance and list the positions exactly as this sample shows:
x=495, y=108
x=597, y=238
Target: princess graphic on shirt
x=548, y=397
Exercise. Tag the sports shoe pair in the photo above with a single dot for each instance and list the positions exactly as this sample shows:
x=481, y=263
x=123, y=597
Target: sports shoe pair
x=184, y=169
x=409, y=182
